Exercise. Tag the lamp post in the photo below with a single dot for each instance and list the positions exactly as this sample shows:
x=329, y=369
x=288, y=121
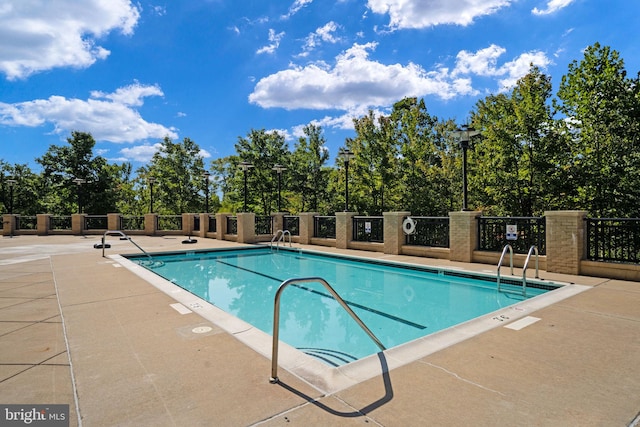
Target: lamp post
x=245, y=166
x=151, y=180
x=464, y=134
x=279, y=169
x=79, y=182
x=346, y=155
x=206, y=176
x=11, y=183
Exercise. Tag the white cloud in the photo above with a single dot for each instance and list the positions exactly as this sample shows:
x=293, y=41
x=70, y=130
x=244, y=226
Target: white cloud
x=322, y=34
x=552, y=7
x=355, y=81
x=484, y=63
x=295, y=8
x=140, y=153
x=427, y=13
x=108, y=117
x=62, y=33
x=274, y=38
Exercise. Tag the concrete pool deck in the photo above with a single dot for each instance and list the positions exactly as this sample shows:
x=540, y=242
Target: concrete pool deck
x=77, y=329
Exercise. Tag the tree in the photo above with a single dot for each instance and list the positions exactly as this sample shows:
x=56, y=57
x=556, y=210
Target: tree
x=22, y=195
x=97, y=191
x=602, y=108
x=519, y=153
x=309, y=175
x=177, y=168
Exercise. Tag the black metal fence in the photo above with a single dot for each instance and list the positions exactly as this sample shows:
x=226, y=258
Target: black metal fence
x=232, y=225
x=96, y=222
x=430, y=231
x=519, y=232
x=368, y=229
x=324, y=227
x=60, y=223
x=132, y=223
x=169, y=222
x=613, y=239
x=26, y=222
x=291, y=223
x=264, y=225
x=212, y=224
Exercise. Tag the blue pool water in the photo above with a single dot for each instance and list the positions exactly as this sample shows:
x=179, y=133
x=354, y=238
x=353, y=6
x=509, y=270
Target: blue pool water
x=398, y=303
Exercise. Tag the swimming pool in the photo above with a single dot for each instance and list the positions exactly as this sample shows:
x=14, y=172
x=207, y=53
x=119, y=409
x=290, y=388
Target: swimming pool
x=399, y=303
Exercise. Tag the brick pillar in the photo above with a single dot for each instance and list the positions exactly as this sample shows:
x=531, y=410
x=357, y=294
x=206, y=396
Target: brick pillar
x=463, y=235
x=204, y=224
x=306, y=227
x=566, y=234
x=278, y=221
x=44, y=224
x=150, y=223
x=113, y=221
x=77, y=223
x=8, y=224
x=246, y=227
x=188, y=220
x=394, y=236
x=344, y=229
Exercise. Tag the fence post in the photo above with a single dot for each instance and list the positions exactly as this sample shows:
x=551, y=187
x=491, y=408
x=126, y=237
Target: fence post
x=8, y=225
x=113, y=221
x=393, y=234
x=43, y=224
x=246, y=227
x=221, y=225
x=306, y=225
x=566, y=241
x=204, y=224
x=187, y=224
x=344, y=229
x=150, y=224
x=463, y=235
x=77, y=224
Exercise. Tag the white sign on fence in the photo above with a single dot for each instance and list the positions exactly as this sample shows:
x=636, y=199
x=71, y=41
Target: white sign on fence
x=512, y=232
x=367, y=227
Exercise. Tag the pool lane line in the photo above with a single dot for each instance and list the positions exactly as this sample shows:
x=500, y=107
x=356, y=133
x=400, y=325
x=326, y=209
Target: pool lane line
x=353, y=304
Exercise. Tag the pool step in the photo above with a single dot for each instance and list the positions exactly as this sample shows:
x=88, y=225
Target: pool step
x=329, y=356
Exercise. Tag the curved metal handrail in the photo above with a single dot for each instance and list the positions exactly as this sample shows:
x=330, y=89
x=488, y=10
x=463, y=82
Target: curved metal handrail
x=504, y=251
x=282, y=235
x=276, y=318
x=532, y=249
x=124, y=236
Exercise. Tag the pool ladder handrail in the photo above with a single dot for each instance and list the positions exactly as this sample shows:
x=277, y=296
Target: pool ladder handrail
x=276, y=318
x=533, y=249
x=504, y=252
x=124, y=236
x=277, y=239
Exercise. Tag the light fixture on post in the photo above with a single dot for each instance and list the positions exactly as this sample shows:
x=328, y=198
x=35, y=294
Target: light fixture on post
x=279, y=169
x=245, y=166
x=79, y=182
x=151, y=181
x=464, y=134
x=11, y=183
x=346, y=155
x=206, y=176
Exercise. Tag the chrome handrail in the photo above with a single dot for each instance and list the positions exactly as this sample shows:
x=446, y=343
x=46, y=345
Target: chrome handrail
x=276, y=318
x=532, y=249
x=282, y=234
x=120, y=233
x=504, y=251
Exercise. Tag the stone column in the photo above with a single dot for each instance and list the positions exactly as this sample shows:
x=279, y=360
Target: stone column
x=113, y=221
x=566, y=246
x=150, y=224
x=344, y=229
x=221, y=225
x=8, y=225
x=463, y=235
x=394, y=236
x=77, y=223
x=44, y=224
x=278, y=221
x=246, y=227
x=306, y=227
x=188, y=220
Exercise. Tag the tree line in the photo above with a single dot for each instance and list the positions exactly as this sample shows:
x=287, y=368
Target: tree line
x=533, y=152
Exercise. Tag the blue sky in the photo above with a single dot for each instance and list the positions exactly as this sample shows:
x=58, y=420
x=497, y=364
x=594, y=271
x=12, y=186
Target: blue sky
x=211, y=70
